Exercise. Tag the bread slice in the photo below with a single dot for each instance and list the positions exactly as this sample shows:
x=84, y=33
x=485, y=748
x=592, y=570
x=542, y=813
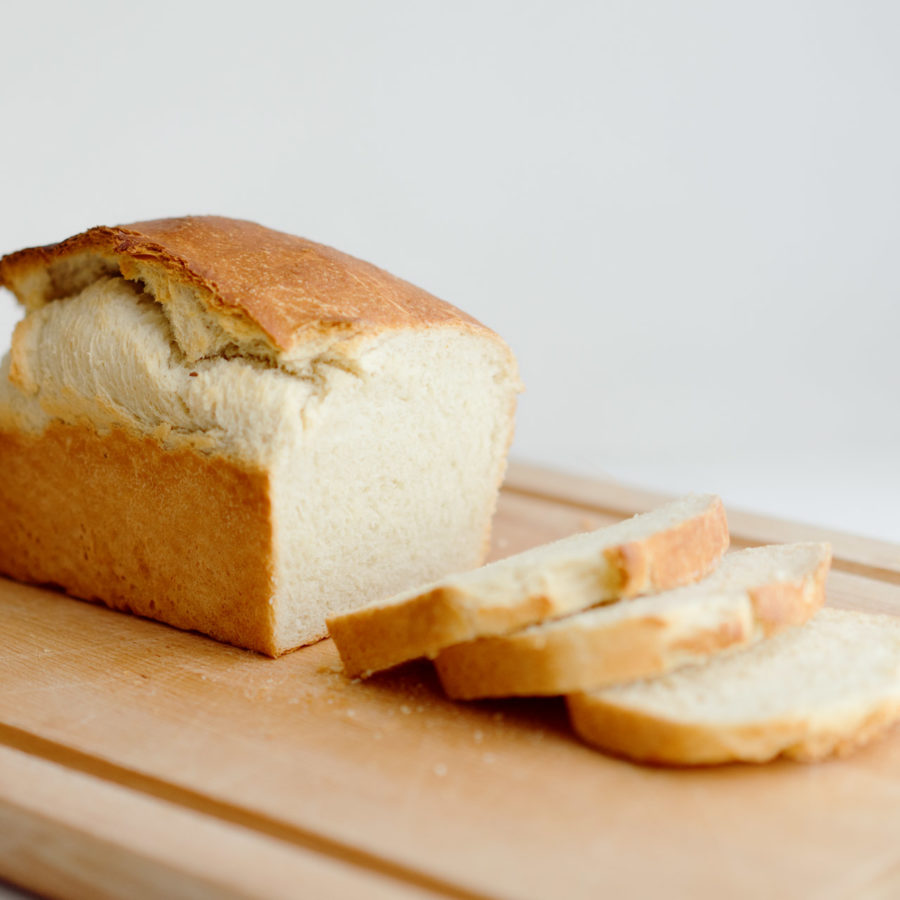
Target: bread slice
x=673, y=545
x=240, y=431
x=753, y=593
x=808, y=693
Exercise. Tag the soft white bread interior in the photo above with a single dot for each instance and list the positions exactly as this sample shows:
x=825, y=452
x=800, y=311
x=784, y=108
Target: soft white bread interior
x=673, y=545
x=807, y=693
x=752, y=594
x=374, y=423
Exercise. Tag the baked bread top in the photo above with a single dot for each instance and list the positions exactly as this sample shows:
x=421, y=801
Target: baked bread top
x=228, y=337
x=262, y=287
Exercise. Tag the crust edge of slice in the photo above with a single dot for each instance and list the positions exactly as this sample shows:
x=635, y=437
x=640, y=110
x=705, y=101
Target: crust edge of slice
x=634, y=735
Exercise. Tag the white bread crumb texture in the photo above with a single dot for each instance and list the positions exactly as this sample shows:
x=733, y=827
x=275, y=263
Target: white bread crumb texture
x=836, y=662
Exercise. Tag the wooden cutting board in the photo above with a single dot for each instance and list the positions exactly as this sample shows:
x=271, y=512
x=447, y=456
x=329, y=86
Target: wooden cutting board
x=140, y=761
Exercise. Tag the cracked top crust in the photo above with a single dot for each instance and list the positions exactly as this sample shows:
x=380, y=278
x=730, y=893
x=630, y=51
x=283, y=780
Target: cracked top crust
x=259, y=285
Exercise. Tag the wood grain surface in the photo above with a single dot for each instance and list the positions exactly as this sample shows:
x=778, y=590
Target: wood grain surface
x=140, y=761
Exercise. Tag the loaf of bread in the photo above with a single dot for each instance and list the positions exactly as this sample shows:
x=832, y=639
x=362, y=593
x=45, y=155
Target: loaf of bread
x=808, y=693
x=675, y=544
x=753, y=594
x=241, y=432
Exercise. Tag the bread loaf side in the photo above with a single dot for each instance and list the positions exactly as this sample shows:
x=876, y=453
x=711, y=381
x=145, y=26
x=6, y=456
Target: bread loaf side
x=241, y=432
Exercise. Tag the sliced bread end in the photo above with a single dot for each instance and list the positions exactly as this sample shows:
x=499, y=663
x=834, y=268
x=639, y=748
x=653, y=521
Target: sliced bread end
x=806, y=694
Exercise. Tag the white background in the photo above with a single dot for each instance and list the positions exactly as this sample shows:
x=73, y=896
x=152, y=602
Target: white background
x=683, y=216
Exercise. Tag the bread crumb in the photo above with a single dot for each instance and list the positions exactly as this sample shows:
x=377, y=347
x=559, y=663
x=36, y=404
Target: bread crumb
x=405, y=710
x=440, y=770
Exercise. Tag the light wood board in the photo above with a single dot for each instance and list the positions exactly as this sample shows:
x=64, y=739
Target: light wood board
x=140, y=761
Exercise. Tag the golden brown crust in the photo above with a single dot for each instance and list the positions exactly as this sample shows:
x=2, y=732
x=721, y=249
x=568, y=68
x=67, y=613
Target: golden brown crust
x=674, y=556
x=282, y=283
x=370, y=639
x=558, y=662
x=384, y=635
x=173, y=535
x=777, y=606
x=651, y=739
